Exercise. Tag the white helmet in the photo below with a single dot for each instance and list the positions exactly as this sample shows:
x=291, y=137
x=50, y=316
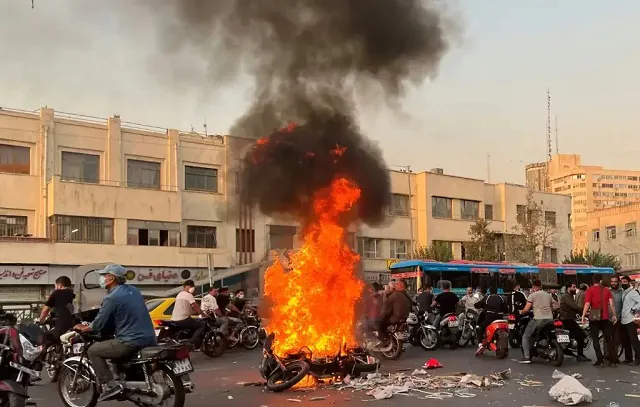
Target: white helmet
x=412, y=319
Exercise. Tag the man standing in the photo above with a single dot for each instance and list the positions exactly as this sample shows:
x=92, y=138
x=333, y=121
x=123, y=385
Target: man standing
x=470, y=299
x=599, y=302
x=425, y=299
x=630, y=306
x=516, y=300
x=620, y=334
x=580, y=294
x=186, y=306
x=541, y=303
x=568, y=311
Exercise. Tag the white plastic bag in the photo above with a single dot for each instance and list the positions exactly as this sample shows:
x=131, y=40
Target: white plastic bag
x=570, y=392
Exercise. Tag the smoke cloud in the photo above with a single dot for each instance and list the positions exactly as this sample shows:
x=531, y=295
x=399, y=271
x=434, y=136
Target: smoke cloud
x=309, y=59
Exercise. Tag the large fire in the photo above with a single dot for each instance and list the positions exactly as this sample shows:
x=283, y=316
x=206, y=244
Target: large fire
x=313, y=303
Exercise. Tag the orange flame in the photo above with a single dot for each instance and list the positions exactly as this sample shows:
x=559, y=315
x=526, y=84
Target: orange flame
x=262, y=141
x=338, y=151
x=313, y=304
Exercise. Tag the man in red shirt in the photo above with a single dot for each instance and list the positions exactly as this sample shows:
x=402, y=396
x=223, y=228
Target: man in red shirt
x=599, y=300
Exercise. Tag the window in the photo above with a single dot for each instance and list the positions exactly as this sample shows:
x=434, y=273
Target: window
x=631, y=259
x=148, y=233
x=245, y=240
x=488, y=212
x=282, y=237
x=595, y=235
x=15, y=159
x=632, y=178
x=80, y=167
x=370, y=248
x=399, y=205
x=78, y=229
x=611, y=232
x=13, y=225
x=143, y=174
x=630, y=229
x=441, y=207
x=399, y=249
x=607, y=185
x=569, y=220
x=469, y=210
x=201, y=236
x=521, y=213
x=550, y=218
x=202, y=179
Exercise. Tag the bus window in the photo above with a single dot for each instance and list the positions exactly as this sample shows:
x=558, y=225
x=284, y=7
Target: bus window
x=430, y=278
x=548, y=276
x=482, y=281
x=506, y=282
x=526, y=279
x=460, y=280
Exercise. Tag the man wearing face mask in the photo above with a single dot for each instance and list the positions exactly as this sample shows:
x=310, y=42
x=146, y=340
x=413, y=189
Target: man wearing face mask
x=185, y=307
x=124, y=314
x=569, y=308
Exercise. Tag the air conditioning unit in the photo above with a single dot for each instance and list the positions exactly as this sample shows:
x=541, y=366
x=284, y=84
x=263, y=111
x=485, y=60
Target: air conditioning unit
x=437, y=170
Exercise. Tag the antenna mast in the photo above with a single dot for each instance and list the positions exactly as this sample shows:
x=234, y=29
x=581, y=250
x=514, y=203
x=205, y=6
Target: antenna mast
x=488, y=168
x=549, y=151
x=557, y=139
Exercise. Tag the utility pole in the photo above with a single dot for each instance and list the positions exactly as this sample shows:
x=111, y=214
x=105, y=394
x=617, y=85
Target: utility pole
x=412, y=249
x=489, y=168
x=557, y=139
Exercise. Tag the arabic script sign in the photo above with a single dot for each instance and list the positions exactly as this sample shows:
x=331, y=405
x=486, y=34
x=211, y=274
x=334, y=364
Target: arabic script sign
x=20, y=274
x=163, y=276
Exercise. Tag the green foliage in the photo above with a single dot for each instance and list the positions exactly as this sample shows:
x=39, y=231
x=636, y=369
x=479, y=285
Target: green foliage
x=439, y=251
x=531, y=235
x=596, y=259
x=484, y=242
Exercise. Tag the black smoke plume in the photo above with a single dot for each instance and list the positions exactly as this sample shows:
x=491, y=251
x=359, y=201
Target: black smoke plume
x=309, y=59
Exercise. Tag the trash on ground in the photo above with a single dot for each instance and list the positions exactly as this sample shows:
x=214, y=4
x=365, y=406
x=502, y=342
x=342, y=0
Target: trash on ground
x=422, y=385
x=316, y=398
x=636, y=396
x=559, y=375
x=432, y=364
x=230, y=397
x=570, y=392
x=295, y=400
x=530, y=383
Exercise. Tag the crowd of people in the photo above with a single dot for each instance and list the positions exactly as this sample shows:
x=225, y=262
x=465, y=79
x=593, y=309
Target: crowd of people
x=612, y=309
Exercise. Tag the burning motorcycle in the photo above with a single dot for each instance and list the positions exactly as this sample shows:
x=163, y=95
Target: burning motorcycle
x=283, y=373
x=549, y=342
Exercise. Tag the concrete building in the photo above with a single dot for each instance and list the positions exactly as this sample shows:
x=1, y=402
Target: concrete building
x=592, y=188
x=443, y=207
x=537, y=177
x=614, y=230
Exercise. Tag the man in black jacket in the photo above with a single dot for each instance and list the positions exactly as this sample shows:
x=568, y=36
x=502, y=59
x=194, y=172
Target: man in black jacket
x=569, y=308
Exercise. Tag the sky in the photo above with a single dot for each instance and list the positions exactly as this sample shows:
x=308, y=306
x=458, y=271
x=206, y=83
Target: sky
x=99, y=58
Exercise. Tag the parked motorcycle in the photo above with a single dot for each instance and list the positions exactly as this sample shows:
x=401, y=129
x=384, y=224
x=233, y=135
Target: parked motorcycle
x=244, y=332
x=467, y=333
x=397, y=337
x=213, y=342
x=19, y=360
x=496, y=338
x=150, y=378
x=549, y=342
x=448, y=331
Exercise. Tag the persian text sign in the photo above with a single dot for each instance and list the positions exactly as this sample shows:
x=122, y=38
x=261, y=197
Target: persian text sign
x=163, y=276
x=24, y=274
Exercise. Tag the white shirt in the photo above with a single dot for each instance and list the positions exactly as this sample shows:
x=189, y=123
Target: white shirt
x=209, y=303
x=630, y=305
x=182, y=308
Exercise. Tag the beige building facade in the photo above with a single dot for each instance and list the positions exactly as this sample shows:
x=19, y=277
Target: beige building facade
x=592, y=188
x=537, y=177
x=443, y=207
x=615, y=230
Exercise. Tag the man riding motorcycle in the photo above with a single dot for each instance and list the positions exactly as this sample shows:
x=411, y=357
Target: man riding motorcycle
x=447, y=301
x=569, y=308
x=541, y=302
x=493, y=307
x=210, y=307
x=397, y=307
x=124, y=314
x=186, y=306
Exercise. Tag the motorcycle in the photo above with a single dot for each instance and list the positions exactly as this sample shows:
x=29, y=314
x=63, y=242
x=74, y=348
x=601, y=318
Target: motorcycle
x=550, y=342
x=517, y=324
x=448, y=331
x=397, y=336
x=282, y=373
x=19, y=360
x=467, y=333
x=213, y=342
x=244, y=332
x=496, y=338
x=149, y=378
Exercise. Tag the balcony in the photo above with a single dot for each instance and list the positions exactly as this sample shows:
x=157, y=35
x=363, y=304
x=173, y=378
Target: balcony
x=106, y=201
x=43, y=251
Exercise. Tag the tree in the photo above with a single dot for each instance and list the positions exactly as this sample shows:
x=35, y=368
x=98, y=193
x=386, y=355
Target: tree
x=532, y=234
x=596, y=259
x=484, y=242
x=438, y=251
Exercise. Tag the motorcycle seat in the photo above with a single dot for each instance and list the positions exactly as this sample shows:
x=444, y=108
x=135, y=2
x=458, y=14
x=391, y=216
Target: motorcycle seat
x=500, y=321
x=150, y=352
x=170, y=324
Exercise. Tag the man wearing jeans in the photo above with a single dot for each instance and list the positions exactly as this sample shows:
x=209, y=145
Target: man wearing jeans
x=186, y=306
x=124, y=314
x=540, y=301
x=599, y=299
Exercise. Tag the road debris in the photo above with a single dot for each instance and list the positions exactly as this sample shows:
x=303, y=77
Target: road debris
x=317, y=399
x=422, y=385
x=635, y=396
x=559, y=375
x=569, y=391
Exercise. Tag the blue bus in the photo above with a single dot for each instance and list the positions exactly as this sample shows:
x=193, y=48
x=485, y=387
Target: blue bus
x=481, y=275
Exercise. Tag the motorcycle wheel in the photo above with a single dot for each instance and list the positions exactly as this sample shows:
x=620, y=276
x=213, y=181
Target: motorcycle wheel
x=250, y=337
x=515, y=341
x=283, y=380
x=12, y=400
x=503, y=345
x=67, y=395
x=559, y=353
x=396, y=349
x=175, y=385
x=428, y=339
x=53, y=357
x=213, y=344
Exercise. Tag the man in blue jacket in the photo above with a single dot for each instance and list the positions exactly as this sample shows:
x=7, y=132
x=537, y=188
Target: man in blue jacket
x=124, y=315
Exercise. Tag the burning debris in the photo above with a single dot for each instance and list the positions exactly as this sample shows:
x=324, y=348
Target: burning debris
x=422, y=385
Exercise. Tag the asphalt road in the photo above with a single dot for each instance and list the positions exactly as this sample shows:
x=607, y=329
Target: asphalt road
x=217, y=383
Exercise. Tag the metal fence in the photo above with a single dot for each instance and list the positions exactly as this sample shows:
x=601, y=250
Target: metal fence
x=24, y=311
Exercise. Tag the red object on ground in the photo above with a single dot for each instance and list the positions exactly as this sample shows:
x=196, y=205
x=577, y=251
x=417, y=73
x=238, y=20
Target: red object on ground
x=432, y=364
